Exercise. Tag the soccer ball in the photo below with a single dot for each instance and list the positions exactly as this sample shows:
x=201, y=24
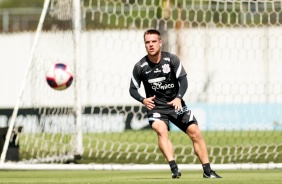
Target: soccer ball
x=59, y=76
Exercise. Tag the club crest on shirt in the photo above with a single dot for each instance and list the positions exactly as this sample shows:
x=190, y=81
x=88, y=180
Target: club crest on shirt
x=166, y=68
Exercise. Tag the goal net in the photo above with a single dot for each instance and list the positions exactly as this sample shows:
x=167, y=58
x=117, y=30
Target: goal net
x=231, y=50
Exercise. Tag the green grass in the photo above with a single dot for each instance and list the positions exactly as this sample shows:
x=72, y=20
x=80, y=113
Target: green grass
x=225, y=146
x=140, y=177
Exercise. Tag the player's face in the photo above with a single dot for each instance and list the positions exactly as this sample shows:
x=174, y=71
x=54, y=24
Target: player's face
x=153, y=44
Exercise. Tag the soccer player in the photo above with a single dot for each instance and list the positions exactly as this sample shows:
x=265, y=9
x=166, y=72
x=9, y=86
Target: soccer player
x=165, y=83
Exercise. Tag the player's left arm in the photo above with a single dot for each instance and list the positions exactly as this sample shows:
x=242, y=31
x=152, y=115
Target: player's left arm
x=182, y=79
x=183, y=86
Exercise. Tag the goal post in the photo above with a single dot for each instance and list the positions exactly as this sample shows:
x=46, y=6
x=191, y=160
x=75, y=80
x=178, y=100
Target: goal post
x=78, y=107
x=77, y=146
x=229, y=48
x=15, y=111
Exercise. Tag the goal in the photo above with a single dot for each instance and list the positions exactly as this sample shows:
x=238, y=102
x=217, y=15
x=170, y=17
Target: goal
x=231, y=50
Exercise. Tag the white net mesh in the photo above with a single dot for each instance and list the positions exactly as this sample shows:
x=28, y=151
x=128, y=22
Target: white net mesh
x=231, y=51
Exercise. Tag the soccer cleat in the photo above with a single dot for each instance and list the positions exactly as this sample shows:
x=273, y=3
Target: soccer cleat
x=211, y=175
x=175, y=173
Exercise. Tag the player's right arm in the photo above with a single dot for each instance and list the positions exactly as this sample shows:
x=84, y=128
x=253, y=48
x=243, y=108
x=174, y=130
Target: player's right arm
x=135, y=83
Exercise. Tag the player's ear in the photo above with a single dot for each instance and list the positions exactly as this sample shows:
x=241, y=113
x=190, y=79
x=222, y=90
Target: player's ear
x=161, y=43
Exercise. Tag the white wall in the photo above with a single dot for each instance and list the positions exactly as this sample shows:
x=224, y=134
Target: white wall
x=238, y=62
x=14, y=49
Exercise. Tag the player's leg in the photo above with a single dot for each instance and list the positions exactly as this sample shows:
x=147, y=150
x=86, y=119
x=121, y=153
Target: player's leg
x=200, y=148
x=186, y=121
x=199, y=143
x=165, y=145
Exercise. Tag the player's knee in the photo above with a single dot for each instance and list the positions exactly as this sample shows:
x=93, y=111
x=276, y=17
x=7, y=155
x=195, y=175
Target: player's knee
x=195, y=134
x=160, y=126
x=162, y=131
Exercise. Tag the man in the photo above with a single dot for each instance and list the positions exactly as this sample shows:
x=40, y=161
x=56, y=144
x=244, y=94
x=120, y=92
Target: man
x=165, y=83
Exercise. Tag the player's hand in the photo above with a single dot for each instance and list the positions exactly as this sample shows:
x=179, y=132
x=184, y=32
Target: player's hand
x=149, y=102
x=176, y=103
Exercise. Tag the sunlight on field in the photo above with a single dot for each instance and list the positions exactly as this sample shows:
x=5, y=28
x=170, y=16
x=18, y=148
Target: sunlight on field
x=139, y=177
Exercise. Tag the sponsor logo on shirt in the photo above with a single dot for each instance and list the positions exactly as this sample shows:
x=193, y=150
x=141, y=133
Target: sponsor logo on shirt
x=157, y=70
x=159, y=79
x=159, y=85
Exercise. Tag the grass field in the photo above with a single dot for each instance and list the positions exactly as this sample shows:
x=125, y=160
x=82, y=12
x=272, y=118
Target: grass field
x=140, y=177
x=236, y=146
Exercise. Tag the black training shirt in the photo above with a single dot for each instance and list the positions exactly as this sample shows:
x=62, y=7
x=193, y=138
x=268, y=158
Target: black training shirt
x=158, y=79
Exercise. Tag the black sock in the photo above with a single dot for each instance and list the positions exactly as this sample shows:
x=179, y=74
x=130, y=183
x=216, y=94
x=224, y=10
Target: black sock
x=172, y=164
x=207, y=168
